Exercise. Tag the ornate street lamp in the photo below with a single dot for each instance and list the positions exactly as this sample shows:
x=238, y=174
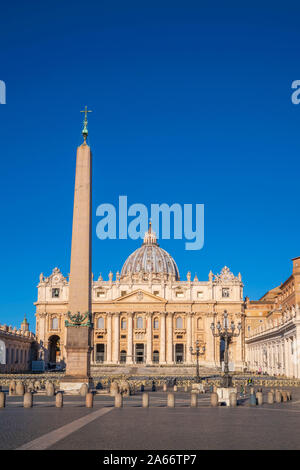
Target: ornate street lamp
x=226, y=332
x=197, y=352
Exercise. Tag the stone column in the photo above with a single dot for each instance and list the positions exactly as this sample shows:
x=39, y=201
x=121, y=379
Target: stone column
x=149, y=339
x=170, y=338
x=129, y=338
x=78, y=339
x=210, y=341
x=188, y=338
x=281, y=355
x=109, y=338
x=80, y=271
x=116, y=340
x=162, y=352
x=286, y=354
x=293, y=356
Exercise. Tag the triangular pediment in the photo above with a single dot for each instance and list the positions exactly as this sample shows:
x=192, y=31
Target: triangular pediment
x=141, y=296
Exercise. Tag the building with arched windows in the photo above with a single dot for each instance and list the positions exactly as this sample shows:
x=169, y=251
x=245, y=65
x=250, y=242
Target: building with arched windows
x=17, y=348
x=146, y=315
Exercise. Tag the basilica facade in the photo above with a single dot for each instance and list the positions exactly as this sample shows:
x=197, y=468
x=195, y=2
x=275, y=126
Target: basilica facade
x=146, y=315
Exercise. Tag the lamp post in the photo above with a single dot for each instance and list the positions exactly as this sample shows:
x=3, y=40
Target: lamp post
x=226, y=333
x=197, y=352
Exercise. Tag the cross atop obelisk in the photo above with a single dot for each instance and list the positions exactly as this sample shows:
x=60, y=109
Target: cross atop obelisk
x=85, y=132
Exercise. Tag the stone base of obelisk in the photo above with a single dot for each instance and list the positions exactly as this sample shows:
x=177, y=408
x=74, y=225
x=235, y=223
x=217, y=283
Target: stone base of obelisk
x=78, y=353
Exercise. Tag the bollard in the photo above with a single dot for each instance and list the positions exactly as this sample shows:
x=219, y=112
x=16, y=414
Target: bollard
x=278, y=396
x=59, y=400
x=50, y=390
x=164, y=387
x=284, y=396
x=194, y=400
x=259, y=398
x=89, y=400
x=175, y=388
x=12, y=388
x=28, y=400
x=252, y=400
x=118, y=400
x=270, y=398
x=214, y=399
x=145, y=400
x=20, y=389
x=232, y=399
x=171, y=400
x=2, y=399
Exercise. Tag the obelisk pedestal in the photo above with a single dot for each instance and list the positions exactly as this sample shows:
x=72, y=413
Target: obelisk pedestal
x=77, y=325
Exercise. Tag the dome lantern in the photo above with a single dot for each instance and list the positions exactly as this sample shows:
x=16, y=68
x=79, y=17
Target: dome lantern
x=150, y=259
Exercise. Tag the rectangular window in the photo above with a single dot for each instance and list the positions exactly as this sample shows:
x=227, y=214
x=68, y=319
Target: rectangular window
x=100, y=352
x=55, y=292
x=100, y=294
x=123, y=292
x=179, y=294
x=156, y=292
x=200, y=294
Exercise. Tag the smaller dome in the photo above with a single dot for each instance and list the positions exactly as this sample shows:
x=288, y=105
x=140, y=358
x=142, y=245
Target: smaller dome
x=150, y=258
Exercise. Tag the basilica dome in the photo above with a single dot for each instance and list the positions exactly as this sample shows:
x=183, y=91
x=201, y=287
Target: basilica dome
x=150, y=258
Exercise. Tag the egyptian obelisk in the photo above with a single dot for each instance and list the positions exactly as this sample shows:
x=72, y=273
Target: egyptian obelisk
x=78, y=328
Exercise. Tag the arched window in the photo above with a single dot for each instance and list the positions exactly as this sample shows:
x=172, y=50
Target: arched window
x=155, y=324
x=139, y=322
x=123, y=324
x=54, y=323
x=199, y=323
x=179, y=323
x=100, y=323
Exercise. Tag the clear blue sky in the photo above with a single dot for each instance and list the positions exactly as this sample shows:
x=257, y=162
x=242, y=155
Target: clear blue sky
x=191, y=104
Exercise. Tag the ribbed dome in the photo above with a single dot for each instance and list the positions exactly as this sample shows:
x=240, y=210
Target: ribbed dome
x=150, y=258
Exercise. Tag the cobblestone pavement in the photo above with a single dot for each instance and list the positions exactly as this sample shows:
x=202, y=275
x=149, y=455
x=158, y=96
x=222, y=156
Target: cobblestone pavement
x=133, y=427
